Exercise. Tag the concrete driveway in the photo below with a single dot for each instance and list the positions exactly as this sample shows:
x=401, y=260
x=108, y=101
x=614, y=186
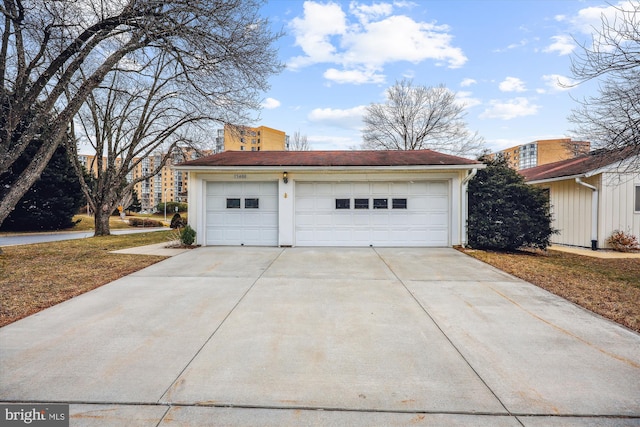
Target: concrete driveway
x=331, y=336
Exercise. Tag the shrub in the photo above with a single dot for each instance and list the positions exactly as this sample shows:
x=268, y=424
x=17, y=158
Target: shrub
x=623, y=242
x=187, y=235
x=177, y=221
x=171, y=207
x=144, y=222
x=505, y=213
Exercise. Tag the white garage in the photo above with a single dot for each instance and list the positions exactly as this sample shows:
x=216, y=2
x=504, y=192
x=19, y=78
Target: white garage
x=242, y=213
x=372, y=213
x=329, y=198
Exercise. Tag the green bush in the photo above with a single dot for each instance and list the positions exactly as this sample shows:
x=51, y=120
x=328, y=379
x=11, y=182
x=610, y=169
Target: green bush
x=177, y=221
x=171, y=207
x=505, y=213
x=187, y=235
x=145, y=222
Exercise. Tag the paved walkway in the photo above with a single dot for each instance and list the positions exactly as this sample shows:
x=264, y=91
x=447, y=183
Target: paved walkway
x=601, y=253
x=332, y=336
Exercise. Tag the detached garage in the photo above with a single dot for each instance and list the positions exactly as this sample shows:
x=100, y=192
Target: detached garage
x=329, y=198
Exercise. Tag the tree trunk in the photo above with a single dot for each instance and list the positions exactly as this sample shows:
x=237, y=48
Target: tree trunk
x=101, y=221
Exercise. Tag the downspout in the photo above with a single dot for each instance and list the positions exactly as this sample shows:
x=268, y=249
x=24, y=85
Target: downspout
x=465, y=205
x=594, y=213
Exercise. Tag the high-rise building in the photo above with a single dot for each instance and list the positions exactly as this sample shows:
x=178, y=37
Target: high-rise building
x=166, y=186
x=243, y=138
x=544, y=151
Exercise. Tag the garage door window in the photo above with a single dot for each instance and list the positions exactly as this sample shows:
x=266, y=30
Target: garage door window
x=343, y=203
x=233, y=203
x=251, y=203
x=361, y=203
x=399, y=204
x=380, y=203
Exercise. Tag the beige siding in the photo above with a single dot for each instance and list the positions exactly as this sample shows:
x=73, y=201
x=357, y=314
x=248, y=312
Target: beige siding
x=617, y=206
x=571, y=208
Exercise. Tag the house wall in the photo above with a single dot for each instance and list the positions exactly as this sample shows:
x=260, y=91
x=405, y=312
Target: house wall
x=286, y=194
x=571, y=208
x=618, y=205
x=571, y=211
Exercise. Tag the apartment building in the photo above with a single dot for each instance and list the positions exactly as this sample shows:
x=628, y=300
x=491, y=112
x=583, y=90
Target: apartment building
x=542, y=152
x=243, y=138
x=168, y=185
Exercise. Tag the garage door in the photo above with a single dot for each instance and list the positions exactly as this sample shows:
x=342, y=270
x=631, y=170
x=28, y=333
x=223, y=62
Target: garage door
x=242, y=213
x=372, y=213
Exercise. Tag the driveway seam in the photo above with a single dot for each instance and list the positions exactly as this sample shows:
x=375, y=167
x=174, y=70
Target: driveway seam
x=159, y=401
x=424, y=309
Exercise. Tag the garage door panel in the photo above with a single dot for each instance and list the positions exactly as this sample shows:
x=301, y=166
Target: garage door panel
x=424, y=222
x=227, y=226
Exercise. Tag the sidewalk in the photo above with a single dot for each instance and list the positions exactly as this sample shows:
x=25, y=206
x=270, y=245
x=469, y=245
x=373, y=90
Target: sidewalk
x=601, y=253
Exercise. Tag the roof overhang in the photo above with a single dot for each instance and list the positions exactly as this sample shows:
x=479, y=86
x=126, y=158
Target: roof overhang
x=278, y=168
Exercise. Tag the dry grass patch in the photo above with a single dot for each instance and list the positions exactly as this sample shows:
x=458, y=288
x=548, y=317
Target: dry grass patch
x=38, y=276
x=609, y=287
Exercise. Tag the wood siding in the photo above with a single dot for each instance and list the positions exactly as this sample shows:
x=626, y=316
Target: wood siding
x=571, y=208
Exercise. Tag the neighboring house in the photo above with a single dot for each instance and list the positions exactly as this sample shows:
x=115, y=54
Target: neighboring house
x=541, y=152
x=329, y=198
x=591, y=196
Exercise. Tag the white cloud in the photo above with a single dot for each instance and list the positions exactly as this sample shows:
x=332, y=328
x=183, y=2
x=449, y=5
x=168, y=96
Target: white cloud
x=270, y=103
x=332, y=142
x=353, y=76
x=368, y=38
x=350, y=118
x=314, y=30
x=365, y=13
x=467, y=82
x=467, y=100
x=563, y=45
x=512, y=84
x=507, y=110
x=556, y=83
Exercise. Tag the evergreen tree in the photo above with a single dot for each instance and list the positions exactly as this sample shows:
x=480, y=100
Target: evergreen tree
x=52, y=201
x=504, y=212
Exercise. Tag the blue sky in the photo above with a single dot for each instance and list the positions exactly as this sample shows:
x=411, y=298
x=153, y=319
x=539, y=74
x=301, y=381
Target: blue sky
x=503, y=58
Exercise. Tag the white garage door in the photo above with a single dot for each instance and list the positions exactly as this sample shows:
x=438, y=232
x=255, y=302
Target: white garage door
x=242, y=213
x=372, y=213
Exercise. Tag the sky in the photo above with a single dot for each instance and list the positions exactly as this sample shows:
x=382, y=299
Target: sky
x=508, y=61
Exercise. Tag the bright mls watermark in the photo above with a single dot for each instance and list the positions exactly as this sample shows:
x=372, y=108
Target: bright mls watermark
x=40, y=415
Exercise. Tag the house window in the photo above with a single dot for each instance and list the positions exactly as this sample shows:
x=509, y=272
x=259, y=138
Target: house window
x=637, y=198
x=361, y=203
x=343, y=203
x=233, y=203
x=251, y=203
x=399, y=204
x=380, y=203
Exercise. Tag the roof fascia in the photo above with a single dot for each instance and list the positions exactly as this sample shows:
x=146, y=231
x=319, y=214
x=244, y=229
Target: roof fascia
x=278, y=168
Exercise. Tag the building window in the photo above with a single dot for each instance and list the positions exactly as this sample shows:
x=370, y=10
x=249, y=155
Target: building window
x=242, y=148
x=251, y=203
x=361, y=203
x=637, y=198
x=380, y=203
x=343, y=203
x=233, y=203
x=399, y=204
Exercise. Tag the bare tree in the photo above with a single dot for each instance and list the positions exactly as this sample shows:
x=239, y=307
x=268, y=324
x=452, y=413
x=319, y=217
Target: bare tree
x=53, y=54
x=611, y=120
x=131, y=119
x=299, y=142
x=419, y=117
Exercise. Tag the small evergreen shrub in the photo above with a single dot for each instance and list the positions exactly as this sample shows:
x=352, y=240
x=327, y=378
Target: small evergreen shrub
x=623, y=242
x=144, y=222
x=187, y=235
x=177, y=221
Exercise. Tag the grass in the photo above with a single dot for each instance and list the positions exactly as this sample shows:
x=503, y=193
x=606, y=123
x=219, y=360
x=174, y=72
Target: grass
x=38, y=276
x=609, y=287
